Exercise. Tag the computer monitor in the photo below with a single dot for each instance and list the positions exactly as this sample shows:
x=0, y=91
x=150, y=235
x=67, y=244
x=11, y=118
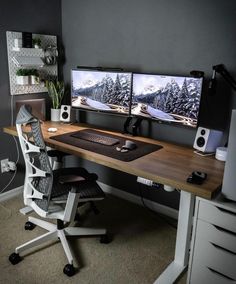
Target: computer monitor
x=166, y=98
x=100, y=90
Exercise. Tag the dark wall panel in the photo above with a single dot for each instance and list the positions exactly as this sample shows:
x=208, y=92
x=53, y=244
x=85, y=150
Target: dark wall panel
x=32, y=16
x=156, y=36
x=159, y=36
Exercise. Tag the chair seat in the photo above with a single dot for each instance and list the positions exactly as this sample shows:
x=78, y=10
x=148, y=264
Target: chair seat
x=87, y=189
x=90, y=189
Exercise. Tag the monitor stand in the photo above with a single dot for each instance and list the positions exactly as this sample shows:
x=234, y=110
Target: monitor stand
x=127, y=124
x=136, y=126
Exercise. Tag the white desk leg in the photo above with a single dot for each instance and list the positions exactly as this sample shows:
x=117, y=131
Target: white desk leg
x=174, y=270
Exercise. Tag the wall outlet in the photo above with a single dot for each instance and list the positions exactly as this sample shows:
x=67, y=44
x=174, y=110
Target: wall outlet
x=4, y=166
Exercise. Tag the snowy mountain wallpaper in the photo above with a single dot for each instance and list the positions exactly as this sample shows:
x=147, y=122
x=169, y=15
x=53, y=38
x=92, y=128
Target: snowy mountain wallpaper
x=167, y=98
x=100, y=90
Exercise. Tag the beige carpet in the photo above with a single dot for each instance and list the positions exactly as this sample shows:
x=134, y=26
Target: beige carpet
x=143, y=245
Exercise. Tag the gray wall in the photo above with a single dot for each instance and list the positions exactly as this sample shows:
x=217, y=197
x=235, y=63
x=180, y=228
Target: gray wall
x=39, y=16
x=165, y=37
x=159, y=36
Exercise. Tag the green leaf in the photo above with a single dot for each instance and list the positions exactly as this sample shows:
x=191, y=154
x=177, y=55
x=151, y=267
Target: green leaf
x=56, y=92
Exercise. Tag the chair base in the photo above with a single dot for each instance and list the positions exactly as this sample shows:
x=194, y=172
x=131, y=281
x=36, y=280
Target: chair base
x=54, y=234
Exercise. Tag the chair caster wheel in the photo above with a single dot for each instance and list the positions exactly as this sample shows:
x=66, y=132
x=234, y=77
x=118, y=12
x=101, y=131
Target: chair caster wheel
x=105, y=239
x=69, y=270
x=14, y=258
x=29, y=226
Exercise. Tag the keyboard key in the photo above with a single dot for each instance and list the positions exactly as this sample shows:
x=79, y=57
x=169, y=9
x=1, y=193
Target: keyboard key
x=90, y=136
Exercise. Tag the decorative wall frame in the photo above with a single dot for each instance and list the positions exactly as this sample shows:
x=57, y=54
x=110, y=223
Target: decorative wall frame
x=31, y=58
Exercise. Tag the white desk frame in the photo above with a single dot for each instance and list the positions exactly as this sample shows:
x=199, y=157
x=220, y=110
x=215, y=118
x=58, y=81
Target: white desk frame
x=182, y=245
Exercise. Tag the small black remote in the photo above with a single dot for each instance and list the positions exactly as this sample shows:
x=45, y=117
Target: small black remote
x=197, y=177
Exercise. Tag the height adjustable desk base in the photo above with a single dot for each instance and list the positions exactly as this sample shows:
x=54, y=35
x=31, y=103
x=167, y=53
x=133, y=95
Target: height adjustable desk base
x=180, y=262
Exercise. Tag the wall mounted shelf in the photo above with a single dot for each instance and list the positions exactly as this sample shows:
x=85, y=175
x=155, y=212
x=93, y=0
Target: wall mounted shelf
x=28, y=61
x=28, y=58
x=23, y=49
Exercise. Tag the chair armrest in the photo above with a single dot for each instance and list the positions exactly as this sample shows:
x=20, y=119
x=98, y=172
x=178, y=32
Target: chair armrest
x=79, y=181
x=70, y=179
x=56, y=154
x=74, y=181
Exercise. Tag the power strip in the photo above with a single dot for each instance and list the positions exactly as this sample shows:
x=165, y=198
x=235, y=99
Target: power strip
x=155, y=185
x=149, y=182
x=145, y=181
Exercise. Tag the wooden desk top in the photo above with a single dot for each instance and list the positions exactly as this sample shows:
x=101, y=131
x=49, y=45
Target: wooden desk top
x=170, y=166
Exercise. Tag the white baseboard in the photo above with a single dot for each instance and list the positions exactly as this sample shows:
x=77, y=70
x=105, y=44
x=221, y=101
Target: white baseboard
x=11, y=193
x=159, y=208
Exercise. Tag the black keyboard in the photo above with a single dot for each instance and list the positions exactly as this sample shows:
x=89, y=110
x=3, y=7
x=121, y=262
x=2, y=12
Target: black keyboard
x=90, y=136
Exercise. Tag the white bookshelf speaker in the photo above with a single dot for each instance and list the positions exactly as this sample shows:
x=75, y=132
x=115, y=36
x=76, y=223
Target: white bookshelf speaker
x=65, y=115
x=229, y=179
x=207, y=140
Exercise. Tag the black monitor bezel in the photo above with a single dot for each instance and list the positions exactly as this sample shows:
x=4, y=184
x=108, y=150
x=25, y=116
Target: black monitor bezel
x=108, y=70
x=158, y=120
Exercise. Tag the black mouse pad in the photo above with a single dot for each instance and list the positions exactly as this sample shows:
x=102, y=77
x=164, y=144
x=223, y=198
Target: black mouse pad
x=142, y=149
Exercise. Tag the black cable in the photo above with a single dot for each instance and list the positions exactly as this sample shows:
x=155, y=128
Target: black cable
x=154, y=213
x=17, y=151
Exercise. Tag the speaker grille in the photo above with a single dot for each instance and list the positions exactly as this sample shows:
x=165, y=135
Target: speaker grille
x=200, y=141
x=65, y=115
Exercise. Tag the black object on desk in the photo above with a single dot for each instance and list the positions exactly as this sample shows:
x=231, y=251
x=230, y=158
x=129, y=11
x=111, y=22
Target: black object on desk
x=136, y=126
x=127, y=124
x=142, y=148
x=95, y=137
x=197, y=177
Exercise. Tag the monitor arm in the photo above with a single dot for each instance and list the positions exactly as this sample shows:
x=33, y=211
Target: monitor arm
x=136, y=126
x=224, y=73
x=127, y=124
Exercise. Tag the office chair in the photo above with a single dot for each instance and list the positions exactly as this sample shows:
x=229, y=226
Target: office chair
x=56, y=161
x=53, y=194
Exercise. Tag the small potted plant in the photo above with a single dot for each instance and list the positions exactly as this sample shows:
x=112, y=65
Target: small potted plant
x=36, y=42
x=56, y=91
x=22, y=77
x=34, y=76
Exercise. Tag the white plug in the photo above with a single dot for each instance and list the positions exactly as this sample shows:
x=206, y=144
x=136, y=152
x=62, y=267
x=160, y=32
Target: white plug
x=168, y=188
x=11, y=166
x=4, y=166
x=145, y=181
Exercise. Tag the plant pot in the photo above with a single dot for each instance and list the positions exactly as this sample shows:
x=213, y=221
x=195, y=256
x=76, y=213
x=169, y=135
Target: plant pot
x=34, y=80
x=55, y=114
x=22, y=80
x=36, y=46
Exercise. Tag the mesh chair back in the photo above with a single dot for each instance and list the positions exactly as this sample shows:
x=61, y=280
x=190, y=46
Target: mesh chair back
x=38, y=175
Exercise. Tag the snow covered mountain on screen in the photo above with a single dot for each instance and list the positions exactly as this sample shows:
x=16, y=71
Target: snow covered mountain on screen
x=176, y=96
